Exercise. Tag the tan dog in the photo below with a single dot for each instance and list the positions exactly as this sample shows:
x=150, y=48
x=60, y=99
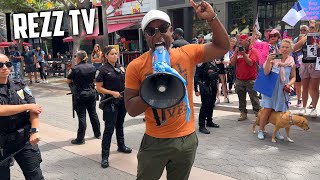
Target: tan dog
x=282, y=120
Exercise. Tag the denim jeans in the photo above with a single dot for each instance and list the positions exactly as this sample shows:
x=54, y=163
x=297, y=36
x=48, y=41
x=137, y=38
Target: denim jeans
x=17, y=72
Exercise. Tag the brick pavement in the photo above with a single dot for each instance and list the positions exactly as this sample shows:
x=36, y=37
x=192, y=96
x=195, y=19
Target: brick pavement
x=231, y=150
x=60, y=164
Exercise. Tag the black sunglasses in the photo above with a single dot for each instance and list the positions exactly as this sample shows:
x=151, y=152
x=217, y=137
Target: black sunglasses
x=8, y=64
x=273, y=35
x=151, y=31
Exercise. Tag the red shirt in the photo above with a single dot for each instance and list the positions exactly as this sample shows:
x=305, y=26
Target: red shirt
x=243, y=70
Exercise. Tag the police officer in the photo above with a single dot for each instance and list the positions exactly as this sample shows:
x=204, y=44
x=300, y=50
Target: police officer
x=82, y=78
x=19, y=126
x=206, y=77
x=110, y=82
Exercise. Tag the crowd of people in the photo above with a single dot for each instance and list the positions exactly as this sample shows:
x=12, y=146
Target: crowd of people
x=35, y=63
x=33, y=60
x=224, y=59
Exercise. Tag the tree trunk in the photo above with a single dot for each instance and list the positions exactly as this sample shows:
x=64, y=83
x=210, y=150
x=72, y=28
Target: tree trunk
x=77, y=40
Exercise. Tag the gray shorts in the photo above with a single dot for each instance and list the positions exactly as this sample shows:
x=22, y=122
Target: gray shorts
x=30, y=68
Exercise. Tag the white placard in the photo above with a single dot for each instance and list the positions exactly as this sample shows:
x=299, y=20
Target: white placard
x=311, y=51
x=313, y=42
x=318, y=64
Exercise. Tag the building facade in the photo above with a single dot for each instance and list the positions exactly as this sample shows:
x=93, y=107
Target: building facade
x=234, y=14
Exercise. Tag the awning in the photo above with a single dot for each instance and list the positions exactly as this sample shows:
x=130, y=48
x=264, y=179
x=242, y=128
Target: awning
x=235, y=31
x=111, y=28
x=7, y=44
x=116, y=27
x=245, y=30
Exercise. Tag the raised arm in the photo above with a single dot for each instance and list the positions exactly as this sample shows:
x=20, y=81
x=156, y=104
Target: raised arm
x=253, y=37
x=299, y=44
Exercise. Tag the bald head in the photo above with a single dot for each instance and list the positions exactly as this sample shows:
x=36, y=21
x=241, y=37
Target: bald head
x=3, y=58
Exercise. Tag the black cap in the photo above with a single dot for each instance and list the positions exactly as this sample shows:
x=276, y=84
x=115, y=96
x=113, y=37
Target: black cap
x=178, y=31
x=200, y=36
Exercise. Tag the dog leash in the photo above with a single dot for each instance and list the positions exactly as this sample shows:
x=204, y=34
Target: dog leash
x=287, y=104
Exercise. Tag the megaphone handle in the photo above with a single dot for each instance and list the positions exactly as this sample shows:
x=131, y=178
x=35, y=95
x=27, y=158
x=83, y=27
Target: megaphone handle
x=156, y=116
x=163, y=113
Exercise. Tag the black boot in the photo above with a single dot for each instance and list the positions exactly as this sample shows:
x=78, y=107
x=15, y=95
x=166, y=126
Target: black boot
x=104, y=163
x=204, y=130
x=212, y=124
x=124, y=149
x=75, y=141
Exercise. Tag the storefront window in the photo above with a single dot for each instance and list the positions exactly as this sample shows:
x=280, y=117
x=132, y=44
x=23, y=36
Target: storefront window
x=199, y=27
x=278, y=10
x=240, y=14
x=269, y=11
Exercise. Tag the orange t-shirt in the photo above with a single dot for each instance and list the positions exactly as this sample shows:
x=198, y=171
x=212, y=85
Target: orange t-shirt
x=183, y=60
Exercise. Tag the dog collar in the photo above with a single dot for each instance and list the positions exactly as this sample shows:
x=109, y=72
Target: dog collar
x=290, y=119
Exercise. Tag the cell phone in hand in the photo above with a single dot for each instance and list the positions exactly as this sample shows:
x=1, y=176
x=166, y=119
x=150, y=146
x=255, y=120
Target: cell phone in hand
x=241, y=48
x=278, y=56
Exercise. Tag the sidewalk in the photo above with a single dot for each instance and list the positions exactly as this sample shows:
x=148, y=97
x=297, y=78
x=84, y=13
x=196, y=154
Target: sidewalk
x=62, y=160
x=231, y=150
x=59, y=83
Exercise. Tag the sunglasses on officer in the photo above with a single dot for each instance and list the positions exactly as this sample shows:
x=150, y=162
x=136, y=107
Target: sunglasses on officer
x=8, y=64
x=151, y=31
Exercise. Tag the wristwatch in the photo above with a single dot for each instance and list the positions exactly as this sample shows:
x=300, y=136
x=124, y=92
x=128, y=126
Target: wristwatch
x=34, y=130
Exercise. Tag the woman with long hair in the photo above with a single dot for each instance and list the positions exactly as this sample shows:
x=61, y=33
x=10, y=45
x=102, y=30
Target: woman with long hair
x=110, y=83
x=298, y=55
x=310, y=77
x=96, y=56
x=40, y=64
x=286, y=69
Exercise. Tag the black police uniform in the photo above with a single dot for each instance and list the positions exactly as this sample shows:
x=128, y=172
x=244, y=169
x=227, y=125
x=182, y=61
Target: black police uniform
x=114, y=111
x=207, y=82
x=82, y=76
x=15, y=133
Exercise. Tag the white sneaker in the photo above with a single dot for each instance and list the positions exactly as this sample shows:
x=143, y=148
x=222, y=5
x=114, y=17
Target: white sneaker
x=46, y=81
x=218, y=101
x=302, y=112
x=313, y=113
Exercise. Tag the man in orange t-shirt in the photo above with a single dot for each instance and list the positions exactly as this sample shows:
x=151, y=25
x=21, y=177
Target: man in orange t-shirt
x=172, y=145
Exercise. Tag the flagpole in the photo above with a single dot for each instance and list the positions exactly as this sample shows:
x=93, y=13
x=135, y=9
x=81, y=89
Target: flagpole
x=257, y=22
x=302, y=8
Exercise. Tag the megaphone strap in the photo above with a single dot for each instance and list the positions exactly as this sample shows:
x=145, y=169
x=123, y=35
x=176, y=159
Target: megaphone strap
x=156, y=116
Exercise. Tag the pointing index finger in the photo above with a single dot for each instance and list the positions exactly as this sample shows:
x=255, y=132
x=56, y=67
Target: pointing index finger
x=193, y=4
